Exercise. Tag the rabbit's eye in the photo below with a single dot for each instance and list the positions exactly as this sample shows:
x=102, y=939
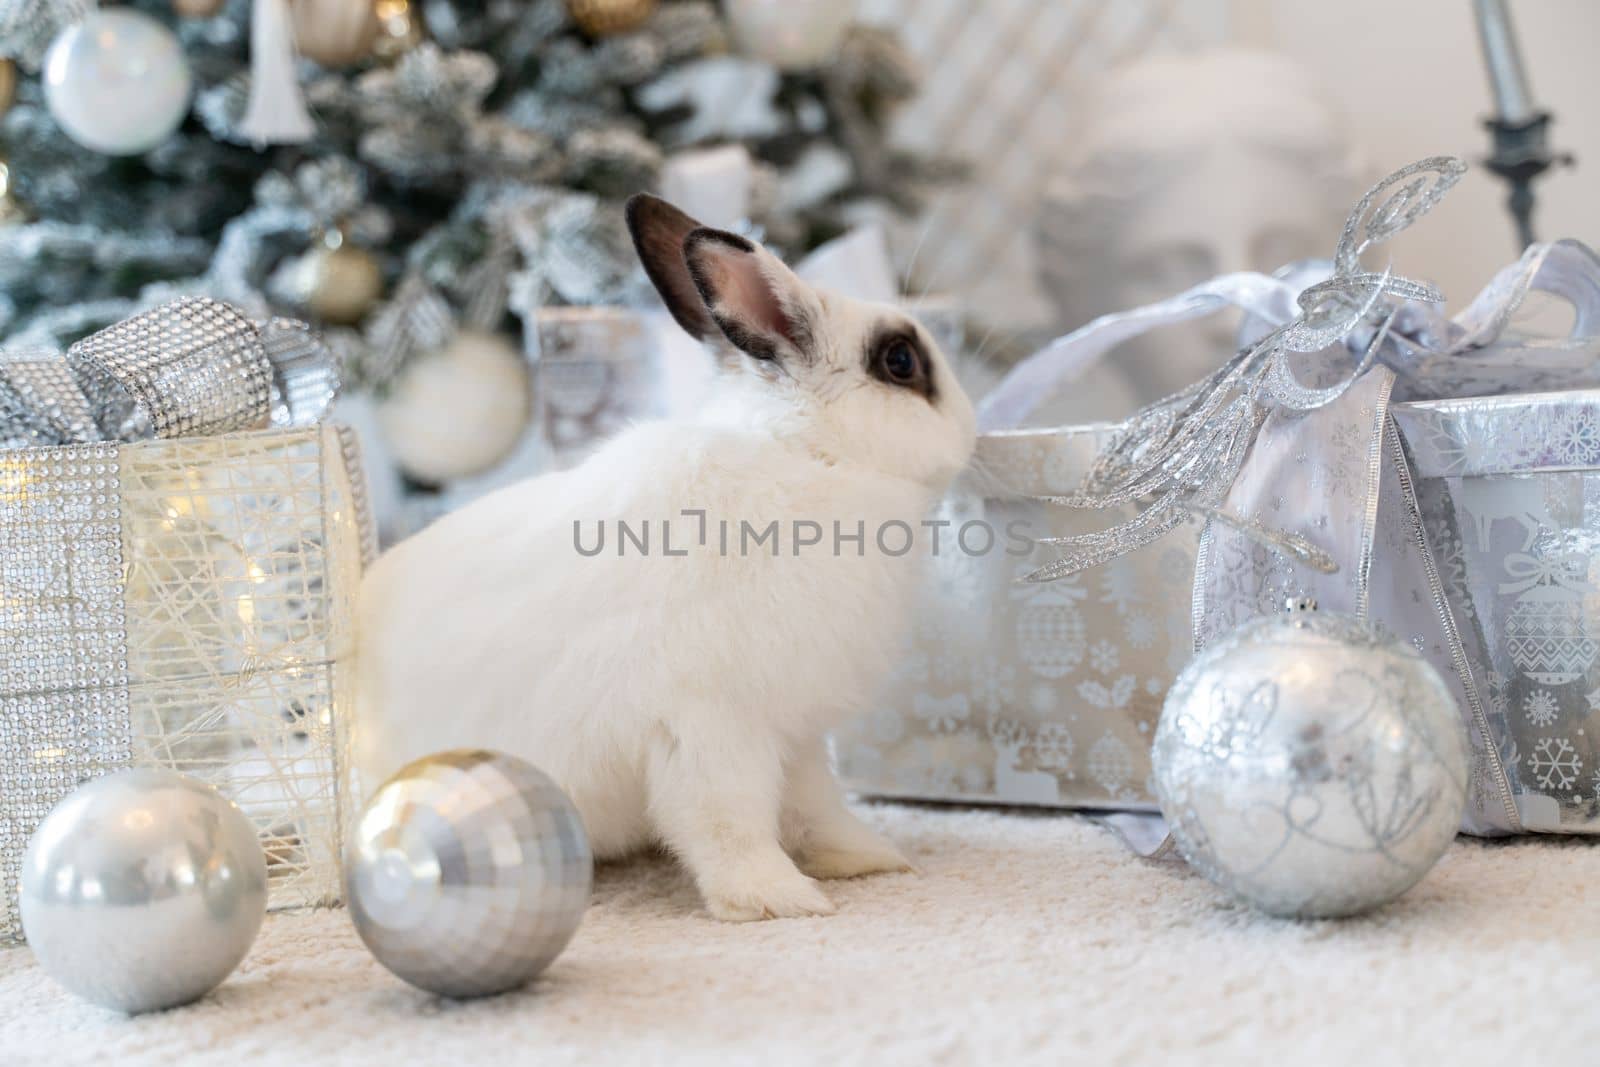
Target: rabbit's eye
x=900, y=361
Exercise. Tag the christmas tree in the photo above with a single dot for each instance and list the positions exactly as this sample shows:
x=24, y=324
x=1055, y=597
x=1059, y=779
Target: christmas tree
x=424, y=166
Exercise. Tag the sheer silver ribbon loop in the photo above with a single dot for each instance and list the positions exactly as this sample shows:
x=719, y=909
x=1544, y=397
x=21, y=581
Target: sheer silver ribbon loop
x=1180, y=455
x=193, y=367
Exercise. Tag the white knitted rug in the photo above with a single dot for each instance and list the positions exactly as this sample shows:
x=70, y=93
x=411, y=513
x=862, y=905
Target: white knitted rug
x=1028, y=938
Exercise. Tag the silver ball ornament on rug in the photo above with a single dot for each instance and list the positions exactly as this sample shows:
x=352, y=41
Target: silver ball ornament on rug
x=1311, y=766
x=143, y=890
x=117, y=82
x=468, y=873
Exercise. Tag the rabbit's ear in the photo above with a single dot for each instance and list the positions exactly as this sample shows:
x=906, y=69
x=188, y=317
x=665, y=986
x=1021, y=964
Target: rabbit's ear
x=757, y=302
x=659, y=231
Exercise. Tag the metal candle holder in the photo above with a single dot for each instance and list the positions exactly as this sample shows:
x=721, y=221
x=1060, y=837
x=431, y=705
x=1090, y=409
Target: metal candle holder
x=1521, y=132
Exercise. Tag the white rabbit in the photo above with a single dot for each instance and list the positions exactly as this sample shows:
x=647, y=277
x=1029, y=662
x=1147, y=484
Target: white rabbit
x=682, y=699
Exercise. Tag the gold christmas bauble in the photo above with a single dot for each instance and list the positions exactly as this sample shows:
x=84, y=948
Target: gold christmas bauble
x=334, y=33
x=197, y=9
x=8, y=84
x=399, y=29
x=601, y=18
x=342, y=283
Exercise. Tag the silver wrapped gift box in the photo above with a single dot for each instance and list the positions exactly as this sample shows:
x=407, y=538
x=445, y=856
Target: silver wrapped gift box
x=1028, y=693
x=1437, y=477
x=1510, y=489
x=180, y=544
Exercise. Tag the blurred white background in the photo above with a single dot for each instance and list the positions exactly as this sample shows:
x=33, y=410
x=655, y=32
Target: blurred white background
x=1004, y=77
x=1411, y=78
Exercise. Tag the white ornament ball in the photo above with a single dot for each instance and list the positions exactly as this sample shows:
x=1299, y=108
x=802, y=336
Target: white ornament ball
x=457, y=412
x=1311, y=766
x=142, y=890
x=789, y=34
x=117, y=82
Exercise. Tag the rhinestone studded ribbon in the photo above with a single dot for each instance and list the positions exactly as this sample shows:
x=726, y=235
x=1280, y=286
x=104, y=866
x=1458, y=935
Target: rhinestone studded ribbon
x=193, y=367
x=190, y=368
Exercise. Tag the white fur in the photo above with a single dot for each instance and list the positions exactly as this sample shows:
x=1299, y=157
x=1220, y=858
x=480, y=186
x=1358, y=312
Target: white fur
x=681, y=701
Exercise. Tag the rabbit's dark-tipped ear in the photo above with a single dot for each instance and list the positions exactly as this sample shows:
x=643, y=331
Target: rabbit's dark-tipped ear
x=717, y=283
x=756, y=301
x=659, y=231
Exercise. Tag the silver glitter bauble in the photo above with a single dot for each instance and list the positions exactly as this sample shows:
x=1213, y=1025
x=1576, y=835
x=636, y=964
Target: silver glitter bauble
x=1311, y=766
x=143, y=890
x=468, y=873
x=117, y=82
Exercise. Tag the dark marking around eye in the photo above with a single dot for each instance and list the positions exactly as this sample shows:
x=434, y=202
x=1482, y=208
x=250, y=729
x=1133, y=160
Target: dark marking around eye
x=878, y=359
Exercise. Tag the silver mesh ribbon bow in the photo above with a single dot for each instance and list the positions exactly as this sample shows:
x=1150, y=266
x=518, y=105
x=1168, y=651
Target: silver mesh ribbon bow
x=193, y=367
x=1180, y=455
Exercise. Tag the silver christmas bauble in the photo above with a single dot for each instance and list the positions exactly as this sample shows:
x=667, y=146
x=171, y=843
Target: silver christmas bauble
x=117, y=82
x=789, y=34
x=457, y=412
x=468, y=873
x=1311, y=766
x=143, y=890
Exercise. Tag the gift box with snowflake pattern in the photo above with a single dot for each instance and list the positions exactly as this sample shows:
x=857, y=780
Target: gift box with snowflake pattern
x=1040, y=694
x=1510, y=491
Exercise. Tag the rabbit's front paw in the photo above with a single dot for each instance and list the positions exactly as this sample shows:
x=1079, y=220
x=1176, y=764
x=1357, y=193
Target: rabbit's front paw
x=765, y=891
x=853, y=860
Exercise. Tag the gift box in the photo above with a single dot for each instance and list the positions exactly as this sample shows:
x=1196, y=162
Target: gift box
x=598, y=371
x=1429, y=475
x=178, y=586
x=1509, y=488
x=1027, y=693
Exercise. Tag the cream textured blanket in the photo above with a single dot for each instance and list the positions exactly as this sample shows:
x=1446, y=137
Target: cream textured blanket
x=1028, y=938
